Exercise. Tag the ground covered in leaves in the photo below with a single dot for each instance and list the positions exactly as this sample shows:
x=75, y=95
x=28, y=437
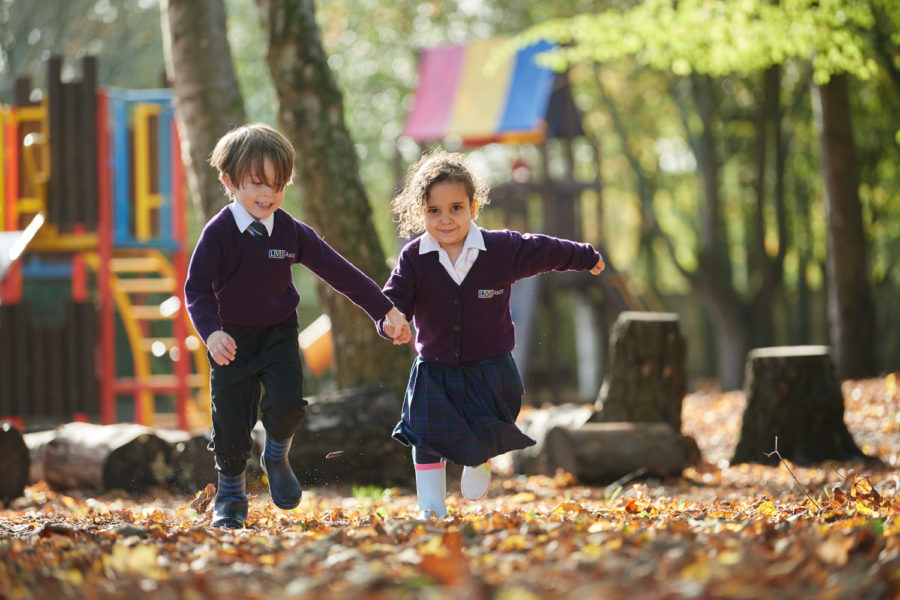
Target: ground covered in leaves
x=743, y=531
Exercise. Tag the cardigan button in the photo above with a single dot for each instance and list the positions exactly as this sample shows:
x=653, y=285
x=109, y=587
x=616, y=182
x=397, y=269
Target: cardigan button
x=456, y=328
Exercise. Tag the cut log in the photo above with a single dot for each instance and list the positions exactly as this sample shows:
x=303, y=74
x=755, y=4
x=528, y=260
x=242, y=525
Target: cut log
x=646, y=380
x=600, y=453
x=37, y=442
x=193, y=466
x=15, y=463
x=358, y=424
x=536, y=424
x=793, y=394
x=124, y=456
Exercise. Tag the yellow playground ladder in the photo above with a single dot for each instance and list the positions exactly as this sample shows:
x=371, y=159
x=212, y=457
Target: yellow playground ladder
x=143, y=284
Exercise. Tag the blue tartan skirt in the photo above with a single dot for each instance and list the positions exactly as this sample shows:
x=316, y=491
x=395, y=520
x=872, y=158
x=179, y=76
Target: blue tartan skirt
x=465, y=414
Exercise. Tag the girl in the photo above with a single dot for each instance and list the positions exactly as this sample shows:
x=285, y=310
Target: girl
x=454, y=282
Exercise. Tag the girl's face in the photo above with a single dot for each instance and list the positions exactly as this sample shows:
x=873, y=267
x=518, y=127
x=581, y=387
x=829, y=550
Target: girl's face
x=448, y=212
x=254, y=194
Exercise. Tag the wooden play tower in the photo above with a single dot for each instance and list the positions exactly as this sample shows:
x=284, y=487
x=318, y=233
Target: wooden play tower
x=92, y=207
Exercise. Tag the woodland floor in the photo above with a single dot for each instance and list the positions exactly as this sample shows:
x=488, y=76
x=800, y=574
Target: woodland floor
x=720, y=531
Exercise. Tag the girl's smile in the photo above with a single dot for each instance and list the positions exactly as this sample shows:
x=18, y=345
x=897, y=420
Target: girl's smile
x=448, y=213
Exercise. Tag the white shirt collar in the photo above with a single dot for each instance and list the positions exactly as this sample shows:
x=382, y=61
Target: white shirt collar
x=243, y=219
x=474, y=239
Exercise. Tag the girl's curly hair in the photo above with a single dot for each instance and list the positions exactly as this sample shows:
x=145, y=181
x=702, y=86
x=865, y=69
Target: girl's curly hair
x=435, y=167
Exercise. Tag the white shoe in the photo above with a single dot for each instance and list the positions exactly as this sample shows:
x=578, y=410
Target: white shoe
x=431, y=487
x=475, y=481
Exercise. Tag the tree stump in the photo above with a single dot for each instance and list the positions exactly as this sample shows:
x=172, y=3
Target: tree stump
x=15, y=463
x=124, y=456
x=646, y=380
x=793, y=393
x=598, y=453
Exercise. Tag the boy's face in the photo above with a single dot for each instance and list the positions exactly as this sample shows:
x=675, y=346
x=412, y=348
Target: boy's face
x=254, y=194
x=448, y=212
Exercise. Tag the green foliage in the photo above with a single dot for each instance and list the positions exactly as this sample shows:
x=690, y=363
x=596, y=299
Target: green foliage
x=124, y=34
x=718, y=37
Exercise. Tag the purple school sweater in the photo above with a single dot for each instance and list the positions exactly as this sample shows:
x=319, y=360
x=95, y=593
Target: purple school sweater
x=463, y=324
x=236, y=280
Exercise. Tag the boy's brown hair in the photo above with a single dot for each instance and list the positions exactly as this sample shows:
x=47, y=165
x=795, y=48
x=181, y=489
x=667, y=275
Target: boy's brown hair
x=242, y=151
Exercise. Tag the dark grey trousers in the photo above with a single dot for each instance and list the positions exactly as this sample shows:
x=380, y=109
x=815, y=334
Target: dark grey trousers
x=264, y=381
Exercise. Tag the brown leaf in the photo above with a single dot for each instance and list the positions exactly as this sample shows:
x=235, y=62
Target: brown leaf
x=203, y=498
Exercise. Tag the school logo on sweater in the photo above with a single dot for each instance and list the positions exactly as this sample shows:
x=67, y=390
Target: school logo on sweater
x=281, y=254
x=489, y=293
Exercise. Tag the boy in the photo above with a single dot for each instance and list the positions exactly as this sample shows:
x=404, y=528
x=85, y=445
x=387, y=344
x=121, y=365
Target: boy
x=242, y=301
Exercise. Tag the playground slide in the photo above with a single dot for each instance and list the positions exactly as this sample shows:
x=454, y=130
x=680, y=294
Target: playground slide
x=13, y=243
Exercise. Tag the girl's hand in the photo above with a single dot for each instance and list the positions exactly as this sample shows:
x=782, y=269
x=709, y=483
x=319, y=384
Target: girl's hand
x=221, y=347
x=598, y=268
x=397, y=327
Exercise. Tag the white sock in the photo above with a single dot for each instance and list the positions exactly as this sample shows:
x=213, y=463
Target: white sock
x=476, y=481
x=431, y=487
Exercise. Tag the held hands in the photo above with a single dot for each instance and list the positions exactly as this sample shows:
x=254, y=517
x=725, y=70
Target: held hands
x=397, y=327
x=598, y=268
x=221, y=347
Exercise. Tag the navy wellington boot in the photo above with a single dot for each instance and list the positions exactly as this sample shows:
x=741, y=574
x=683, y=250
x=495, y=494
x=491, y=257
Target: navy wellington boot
x=283, y=485
x=230, y=507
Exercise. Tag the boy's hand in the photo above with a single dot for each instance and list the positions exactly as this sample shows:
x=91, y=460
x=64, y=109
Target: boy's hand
x=221, y=347
x=598, y=268
x=397, y=327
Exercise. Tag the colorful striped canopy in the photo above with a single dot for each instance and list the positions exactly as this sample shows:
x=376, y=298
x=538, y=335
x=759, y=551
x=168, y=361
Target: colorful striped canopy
x=465, y=92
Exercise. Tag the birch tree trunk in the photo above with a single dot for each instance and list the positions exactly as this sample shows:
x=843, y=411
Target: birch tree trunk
x=851, y=313
x=311, y=115
x=207, y=97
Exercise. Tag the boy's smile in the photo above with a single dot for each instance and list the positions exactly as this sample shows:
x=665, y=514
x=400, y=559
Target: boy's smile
x=256, y=193
x=448, y=213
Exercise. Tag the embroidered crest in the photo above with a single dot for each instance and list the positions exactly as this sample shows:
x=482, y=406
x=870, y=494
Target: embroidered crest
x=281, y=254
x=489, y=293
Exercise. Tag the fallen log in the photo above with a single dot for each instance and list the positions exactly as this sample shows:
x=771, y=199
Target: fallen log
x=15, y=463
x=124, y=456
x=354, y=427
x=536, y=424
x=793, y=393
x=194, y=465
x=37, y=447
x=599, y=453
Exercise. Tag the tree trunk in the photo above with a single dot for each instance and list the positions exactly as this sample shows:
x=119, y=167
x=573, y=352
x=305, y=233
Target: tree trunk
x=646, y=381
x=793, y=394
x=15, y=463
x=311, y=114
x=106, y=457
x=207, y=97
x=598, y=453
x=851, y=312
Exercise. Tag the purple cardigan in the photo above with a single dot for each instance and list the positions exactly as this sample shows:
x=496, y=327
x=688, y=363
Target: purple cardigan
x=235, y=280
x=464, y=324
